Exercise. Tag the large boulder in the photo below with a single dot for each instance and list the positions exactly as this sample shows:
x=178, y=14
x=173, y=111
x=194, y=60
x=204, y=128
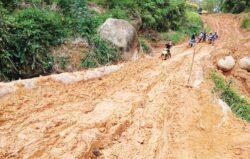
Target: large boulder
x=122, y=34
x=245, y=63
x=226, y=64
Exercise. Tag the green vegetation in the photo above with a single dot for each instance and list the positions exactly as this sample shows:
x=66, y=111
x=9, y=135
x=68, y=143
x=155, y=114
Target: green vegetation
x=193, y=24
x=228, y=6
x=28, y=30
x=235, y=6
x=81, y=21
x=24, y=37
x=159, y=15
x=63, y=61
x=152, y=36
x=101, y=54
x=113, y=13
x=28, y=34
x=144, y=45
x=162, y=15
x=175, y=37
x=212, y=5
x=240, y=106
x=245, y=23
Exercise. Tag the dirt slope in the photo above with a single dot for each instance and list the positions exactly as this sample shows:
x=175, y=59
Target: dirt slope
x=143, y=111
x=234, y=42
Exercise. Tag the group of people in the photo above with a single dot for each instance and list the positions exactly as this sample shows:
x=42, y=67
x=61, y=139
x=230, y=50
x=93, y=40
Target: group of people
x=211, y=37
x=203, y=37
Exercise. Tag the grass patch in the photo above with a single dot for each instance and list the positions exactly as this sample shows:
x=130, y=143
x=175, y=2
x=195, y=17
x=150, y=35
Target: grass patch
x=101, y=53
x=245, y=24
x=62, y=62
x=175, y=37
x=240, y=106
x=89, y=61
x=144, y=45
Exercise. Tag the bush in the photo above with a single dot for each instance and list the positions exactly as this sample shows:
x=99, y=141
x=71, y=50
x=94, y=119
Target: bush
x=101, y=53
x=245, y=23
x=62, y=62
x=152, y=35
x=212, y=5
x=27, y=35
x=173, y=36
x=25, y=40
x=114, y=13
x=81, y=21
x=89, y=61
x=193, y=24
x=162, y=15
x=117, y=13
x=144, y=45
x=240, y=106
x=9, y=4
x=125, y=4
x=78, y=19
x=156, y=14
x=235, y=6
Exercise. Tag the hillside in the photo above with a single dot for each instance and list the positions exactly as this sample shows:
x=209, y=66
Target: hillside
x=146, y=109
x=54, y=36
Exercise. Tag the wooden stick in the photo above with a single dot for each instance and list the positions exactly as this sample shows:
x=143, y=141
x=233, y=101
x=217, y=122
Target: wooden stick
x=191, y=69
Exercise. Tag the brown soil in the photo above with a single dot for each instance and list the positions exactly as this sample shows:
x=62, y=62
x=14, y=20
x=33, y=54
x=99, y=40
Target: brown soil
x=71, y=53
x=145, y=110
x=234, y=42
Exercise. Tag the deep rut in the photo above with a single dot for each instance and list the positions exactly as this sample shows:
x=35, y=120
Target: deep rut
x=145, y=110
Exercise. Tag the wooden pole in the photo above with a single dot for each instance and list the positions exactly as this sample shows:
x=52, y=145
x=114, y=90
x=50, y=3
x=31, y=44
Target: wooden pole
x=191, y=69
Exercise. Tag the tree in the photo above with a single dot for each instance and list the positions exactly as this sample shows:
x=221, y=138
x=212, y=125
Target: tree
x=212, y=5
x=10, y=4
x=235, y=6
x=156, y=14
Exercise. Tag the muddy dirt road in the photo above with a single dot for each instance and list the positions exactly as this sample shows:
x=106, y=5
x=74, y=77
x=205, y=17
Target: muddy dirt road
x=143, y=111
